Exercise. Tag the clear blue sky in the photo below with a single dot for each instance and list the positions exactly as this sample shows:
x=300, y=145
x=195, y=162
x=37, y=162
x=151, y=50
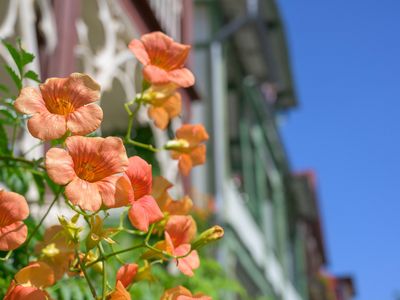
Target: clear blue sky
x=346, y=64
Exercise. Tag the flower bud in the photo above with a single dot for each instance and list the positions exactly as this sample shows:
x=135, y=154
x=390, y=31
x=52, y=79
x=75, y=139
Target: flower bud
x=176, y=144
x=208, y=236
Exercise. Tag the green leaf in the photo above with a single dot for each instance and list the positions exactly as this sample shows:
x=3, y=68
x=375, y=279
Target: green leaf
x=26, y=57
x=17, y=80
x=14, y=54
x=32, y=75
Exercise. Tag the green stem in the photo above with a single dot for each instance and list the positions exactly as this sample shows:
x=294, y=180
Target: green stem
x=5, y=258
x=43, y=218
x=105, y=257
x=142, y=145
x=104, y=291
x=22, y=160
x=13, y=138
x=132, y=115
x=117, y=256
x=85, y=274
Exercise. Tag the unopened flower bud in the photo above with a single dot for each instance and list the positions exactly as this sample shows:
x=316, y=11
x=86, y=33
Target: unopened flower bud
x=176, y=144
x=208, y=236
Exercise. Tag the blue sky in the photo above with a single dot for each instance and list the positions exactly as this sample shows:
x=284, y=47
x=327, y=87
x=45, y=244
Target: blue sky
x=346, y=65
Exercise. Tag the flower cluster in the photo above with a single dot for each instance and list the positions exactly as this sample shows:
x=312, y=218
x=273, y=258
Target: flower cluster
x=96, y=176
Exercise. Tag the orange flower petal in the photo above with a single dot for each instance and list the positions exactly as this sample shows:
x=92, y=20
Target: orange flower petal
x=194, y=134
x=163, y=51
x=12, y=236
x=113, y=151
x=174, y=293
x=139, y=174
x=198, y=155
x=127, y=273
x=83, y=193
x=120, y=293
x=20, y=292
x=144, y=212
x=107, y=190
x=160, y=186
x=83, y=149
x=155, y=75
x=185, y=164
x=182, y=229
x=180, y=207
x=59, y=166
x=161, y=111
x=182, y=77
x=85, y=119
x=13, y=208
x=46, y=126
x=159, y=115
x=188, y=263
x=37, y=274
x=82, y=89
x=29, y=101
x=140, y=52
x=123, y=191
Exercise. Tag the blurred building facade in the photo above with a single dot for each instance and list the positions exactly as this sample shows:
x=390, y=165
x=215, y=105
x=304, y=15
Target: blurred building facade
x=274, y=241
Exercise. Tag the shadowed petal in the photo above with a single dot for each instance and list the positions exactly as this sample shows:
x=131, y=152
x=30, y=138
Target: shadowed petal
x=85, y=119
x=47, y=126
x=29, y=101
x=84, y=194
x=123, y=192
x=13, y=236
x=107, y=190
x=59, y=166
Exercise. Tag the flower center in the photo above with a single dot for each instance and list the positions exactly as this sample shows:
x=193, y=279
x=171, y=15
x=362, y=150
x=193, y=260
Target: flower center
x=86, y=171
x=50, y=250
x=60, y=106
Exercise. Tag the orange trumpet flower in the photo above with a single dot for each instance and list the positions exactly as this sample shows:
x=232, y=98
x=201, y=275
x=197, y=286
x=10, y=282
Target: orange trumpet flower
x=89, y=169
x=61, y=104
x=163, y=59
x=30, y=281
x=182, y=293
x=165, y=104
x=188, y=147
x=135, y=188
